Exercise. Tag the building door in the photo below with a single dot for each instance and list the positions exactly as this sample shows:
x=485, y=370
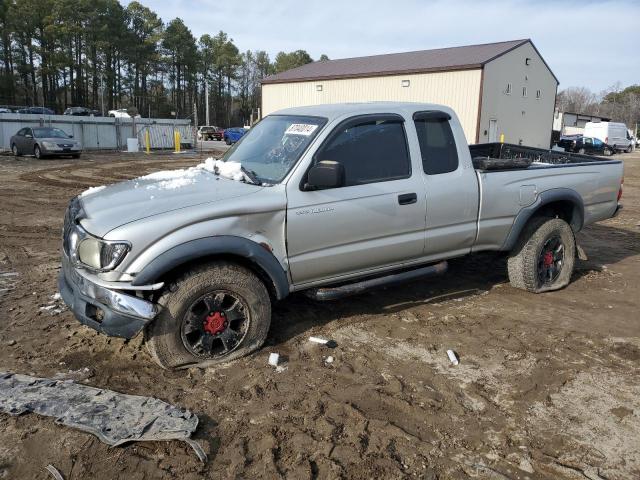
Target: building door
x=493, y=130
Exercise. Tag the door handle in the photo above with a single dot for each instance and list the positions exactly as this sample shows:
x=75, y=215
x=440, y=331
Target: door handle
x=407, y=198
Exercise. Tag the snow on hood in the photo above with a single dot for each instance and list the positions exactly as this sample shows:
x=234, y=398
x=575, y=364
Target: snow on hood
x=91, y=190
x=172, y=179
x=213, y=181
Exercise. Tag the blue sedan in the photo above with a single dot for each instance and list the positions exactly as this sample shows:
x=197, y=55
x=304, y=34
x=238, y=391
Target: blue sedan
x=232, y=135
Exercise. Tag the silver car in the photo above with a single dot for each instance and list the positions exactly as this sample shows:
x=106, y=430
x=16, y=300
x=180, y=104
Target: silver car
x=44, y=142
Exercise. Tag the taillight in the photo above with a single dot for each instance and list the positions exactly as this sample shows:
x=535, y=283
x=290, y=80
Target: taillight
x=620, y=191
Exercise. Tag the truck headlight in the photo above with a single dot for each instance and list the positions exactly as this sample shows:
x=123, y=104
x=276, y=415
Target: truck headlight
x=101, y=255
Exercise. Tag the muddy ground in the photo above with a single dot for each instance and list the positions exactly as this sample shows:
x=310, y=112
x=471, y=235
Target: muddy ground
x=548, y=385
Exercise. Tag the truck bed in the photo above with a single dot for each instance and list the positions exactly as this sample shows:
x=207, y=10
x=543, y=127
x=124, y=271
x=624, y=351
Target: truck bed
x=511, y=178
x=506, y=156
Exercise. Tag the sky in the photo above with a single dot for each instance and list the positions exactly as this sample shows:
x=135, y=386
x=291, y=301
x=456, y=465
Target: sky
x=586, y=43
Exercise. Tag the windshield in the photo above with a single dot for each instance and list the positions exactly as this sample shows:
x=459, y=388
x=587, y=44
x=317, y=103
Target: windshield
x=271, y=148
x=49, y=133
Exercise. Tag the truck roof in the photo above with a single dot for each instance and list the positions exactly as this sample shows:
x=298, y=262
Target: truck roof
x=332, y=111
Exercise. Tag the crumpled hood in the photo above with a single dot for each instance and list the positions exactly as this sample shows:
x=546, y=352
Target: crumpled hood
x=108, y=207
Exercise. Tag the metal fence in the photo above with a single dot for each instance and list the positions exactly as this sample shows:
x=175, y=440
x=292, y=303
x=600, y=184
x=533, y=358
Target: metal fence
x=101, y=133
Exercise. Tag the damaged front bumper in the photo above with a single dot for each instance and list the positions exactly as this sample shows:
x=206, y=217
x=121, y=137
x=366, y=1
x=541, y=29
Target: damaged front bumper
x=106, y=310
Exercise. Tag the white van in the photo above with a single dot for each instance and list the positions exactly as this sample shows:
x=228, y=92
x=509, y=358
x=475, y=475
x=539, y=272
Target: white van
x=611, y=133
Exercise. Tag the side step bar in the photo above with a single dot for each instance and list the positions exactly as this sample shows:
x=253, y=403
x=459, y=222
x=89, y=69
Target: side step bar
x=333, y=293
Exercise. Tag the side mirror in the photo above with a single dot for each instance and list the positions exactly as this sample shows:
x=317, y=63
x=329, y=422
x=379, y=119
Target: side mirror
x=70, y=136
x=325, y=174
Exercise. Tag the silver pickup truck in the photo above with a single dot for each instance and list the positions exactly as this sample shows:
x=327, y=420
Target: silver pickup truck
x=329, y=199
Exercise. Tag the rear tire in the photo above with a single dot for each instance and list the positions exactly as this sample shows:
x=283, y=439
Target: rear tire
x=544, y=256
x=188, y=330
x=629, y=149
x=581, y=151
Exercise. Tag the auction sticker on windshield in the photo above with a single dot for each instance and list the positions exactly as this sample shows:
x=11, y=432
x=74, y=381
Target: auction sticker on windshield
x=305, y=129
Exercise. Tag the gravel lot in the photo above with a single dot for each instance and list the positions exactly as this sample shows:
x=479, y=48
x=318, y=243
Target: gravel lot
x=548, y=385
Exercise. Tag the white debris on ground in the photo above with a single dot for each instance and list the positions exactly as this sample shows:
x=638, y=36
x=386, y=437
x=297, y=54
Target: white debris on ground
x=274, y=359
x=92, y=190
x=55, y=305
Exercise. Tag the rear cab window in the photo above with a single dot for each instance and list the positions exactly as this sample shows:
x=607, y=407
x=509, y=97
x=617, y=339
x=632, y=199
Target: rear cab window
x=437, y=145
x=371, y=148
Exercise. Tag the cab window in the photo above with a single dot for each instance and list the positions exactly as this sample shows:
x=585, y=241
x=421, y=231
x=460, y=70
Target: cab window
x=371, y=149
x=437, y=145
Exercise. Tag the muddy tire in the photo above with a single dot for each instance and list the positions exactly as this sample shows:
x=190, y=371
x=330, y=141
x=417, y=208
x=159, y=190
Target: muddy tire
x=212, y=314
x=544, y=257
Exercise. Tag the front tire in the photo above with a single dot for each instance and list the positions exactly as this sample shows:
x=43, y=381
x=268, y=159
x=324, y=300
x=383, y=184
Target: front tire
x=16, y=152
x=581, y=151
x=213, y=314
x=227, y=141
x=544, y=257
x=37, y=152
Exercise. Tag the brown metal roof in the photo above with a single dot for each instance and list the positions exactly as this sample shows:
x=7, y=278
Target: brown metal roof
x=441, y=59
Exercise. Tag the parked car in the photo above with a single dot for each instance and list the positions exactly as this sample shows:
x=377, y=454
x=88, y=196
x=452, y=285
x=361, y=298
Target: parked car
x=327, y=199
x=5, y=110
x=232, y=135
x=585, y=145
x=37, y=111
x=120, y=113
x=44, y=142
x=209, y=133
x=611, y=133
x=81, y=112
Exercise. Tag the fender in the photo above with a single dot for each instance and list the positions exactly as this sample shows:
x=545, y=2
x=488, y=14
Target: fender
x=220, y=245
x=545, y=198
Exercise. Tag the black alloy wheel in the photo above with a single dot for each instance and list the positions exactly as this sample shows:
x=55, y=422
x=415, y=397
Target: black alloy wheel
x=215, y=324
x=550, y=261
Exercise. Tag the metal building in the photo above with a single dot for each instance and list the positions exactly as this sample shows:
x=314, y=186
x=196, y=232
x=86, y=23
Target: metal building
x=496, y=89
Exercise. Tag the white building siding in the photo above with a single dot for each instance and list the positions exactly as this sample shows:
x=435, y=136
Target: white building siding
x=526, y=119
x=459, y=90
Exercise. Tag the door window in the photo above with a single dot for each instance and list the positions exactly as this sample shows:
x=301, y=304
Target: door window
x=588, y=141
x=22, y=132
x=371, y=150
x=437, y=145
x=597, y=142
